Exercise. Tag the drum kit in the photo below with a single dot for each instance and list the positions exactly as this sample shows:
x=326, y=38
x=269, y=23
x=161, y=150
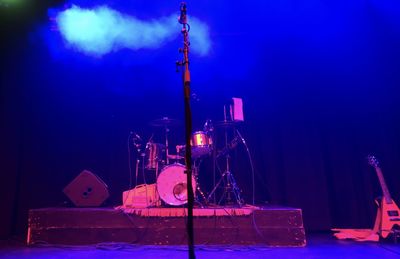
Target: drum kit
x=170, y=168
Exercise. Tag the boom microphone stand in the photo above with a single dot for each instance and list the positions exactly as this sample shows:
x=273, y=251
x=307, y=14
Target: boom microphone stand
x=188, y=124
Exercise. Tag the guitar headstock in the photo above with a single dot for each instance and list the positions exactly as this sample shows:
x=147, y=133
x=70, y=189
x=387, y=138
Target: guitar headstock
x=373, y=161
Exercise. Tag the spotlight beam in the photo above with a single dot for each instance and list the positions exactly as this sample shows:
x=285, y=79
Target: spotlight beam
x=102, y=30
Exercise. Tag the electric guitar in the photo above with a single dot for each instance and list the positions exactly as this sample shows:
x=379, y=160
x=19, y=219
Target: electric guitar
x=388, y=212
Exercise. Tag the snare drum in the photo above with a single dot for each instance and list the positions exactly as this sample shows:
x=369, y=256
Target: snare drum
x=201, y=144
x=172, y=184
x=153, y=155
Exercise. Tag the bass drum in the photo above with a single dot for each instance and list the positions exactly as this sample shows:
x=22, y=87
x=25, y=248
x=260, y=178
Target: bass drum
x=172, y=184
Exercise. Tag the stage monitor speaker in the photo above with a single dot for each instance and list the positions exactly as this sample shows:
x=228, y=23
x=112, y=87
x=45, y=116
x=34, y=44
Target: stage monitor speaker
x=87, y=190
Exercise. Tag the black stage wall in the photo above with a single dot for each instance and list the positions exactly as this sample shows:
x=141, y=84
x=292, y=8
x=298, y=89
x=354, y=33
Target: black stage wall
x=320, y=85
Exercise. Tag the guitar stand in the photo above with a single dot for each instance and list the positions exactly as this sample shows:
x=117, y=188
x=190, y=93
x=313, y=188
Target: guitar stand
x=396, y=235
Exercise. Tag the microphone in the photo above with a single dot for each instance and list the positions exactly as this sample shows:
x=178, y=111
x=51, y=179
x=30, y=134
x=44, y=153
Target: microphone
x=195, y=97
x=182, y=18
x=208, y=126
x=136, y=139
x=136, y=136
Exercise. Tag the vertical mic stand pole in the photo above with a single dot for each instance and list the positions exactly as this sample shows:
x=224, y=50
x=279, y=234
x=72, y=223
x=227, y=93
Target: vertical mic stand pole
x=188, y=125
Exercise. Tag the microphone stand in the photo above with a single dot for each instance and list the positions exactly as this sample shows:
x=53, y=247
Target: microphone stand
x=188, y=124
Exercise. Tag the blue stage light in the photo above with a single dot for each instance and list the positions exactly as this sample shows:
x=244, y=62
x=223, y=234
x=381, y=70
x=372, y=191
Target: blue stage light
x=102, y=30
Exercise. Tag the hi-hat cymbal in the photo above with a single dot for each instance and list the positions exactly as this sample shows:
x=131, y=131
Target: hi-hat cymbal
x=165, y=122
x=175, y=157
x=226, y=124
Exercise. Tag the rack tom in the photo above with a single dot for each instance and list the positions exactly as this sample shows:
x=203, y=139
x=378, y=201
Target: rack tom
x=201, y=144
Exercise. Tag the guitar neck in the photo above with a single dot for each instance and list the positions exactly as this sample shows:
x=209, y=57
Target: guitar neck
x=384, y=187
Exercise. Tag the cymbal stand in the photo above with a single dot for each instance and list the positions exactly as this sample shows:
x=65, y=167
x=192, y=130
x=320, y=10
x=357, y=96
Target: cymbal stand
x=166, y=144
x=230, y=186
x=138, y=146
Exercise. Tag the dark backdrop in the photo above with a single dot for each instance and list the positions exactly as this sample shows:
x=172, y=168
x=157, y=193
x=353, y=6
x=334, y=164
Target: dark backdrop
x=319, y=81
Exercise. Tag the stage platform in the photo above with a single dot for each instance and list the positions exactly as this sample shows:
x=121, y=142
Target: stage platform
x=248, y=225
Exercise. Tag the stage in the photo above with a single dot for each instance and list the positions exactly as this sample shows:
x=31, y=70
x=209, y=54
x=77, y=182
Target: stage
x=118, y=117
x=247, y=225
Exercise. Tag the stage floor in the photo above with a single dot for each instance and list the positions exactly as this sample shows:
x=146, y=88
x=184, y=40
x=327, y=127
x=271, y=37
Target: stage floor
x=318, y=246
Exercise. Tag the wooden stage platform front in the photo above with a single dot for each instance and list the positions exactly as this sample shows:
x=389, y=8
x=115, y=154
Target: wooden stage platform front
x=249, y=225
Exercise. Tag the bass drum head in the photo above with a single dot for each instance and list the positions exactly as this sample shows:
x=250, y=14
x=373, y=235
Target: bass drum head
x=172, y=184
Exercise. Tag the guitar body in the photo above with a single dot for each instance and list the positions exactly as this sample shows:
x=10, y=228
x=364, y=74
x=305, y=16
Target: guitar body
x=388, y=213
x=390, y=217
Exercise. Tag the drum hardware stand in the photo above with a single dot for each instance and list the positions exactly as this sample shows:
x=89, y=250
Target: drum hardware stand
x=137, y=171
x=166, y=144
x=198, y=188
x=157, y=160
x=138, y=146
x=188, y=124
x=214, y=159
x=230, y=186
x=142, y=154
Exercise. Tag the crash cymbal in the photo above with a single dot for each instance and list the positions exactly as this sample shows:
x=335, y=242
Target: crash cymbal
x=165, y=122
x=226, y=124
